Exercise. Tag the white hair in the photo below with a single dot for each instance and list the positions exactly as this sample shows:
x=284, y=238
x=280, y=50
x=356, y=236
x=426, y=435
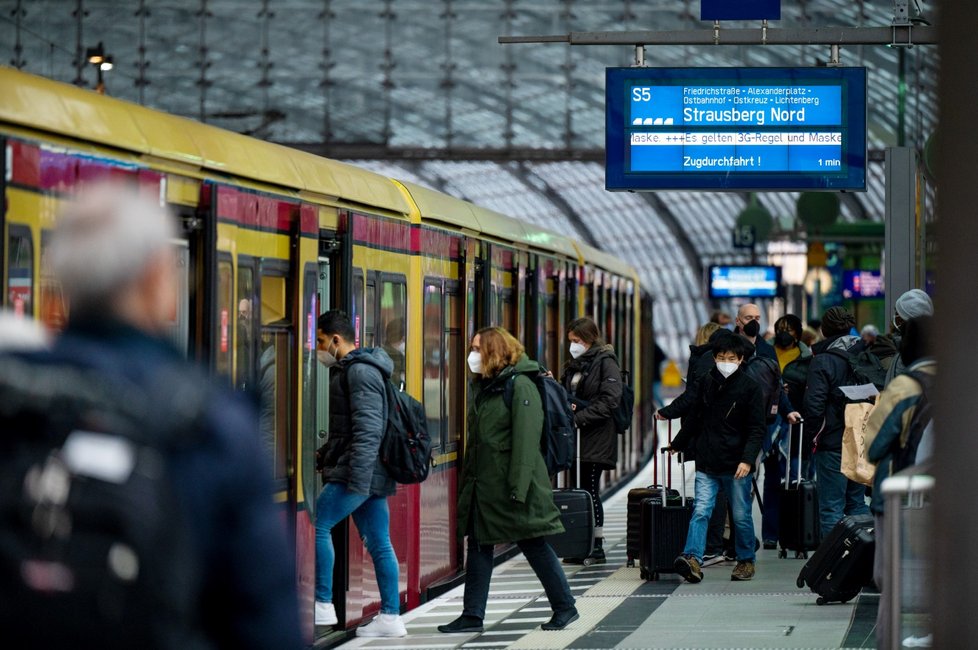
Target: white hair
x=871, y=330
x=104, y=240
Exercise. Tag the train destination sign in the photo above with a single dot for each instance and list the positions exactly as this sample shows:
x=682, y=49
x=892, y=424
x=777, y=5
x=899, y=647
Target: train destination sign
x=736, y=128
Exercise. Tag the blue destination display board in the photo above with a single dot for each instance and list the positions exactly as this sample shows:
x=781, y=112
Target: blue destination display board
x=736, y=128
x=862, y=284
x=744, y=281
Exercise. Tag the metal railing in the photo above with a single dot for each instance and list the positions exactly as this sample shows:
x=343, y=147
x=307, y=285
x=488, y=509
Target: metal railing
x=906, y=576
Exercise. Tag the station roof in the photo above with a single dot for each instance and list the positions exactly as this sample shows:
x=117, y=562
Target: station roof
x=421, y=74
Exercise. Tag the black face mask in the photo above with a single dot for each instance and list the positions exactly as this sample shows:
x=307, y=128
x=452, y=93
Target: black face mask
x=752, y=328
x=784, y=340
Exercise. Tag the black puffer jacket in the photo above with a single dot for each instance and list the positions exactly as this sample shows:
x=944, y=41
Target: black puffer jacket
x=357, y=422
x=600, y=389
x=729, y=427
x=824, y=402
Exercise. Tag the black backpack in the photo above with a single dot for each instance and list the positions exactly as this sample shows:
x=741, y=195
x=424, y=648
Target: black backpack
x=557, y=441
x=95, y=548
x=864, y=367
x=405, y=449
x=766, y=373
x=623, y=412
x=906, y=454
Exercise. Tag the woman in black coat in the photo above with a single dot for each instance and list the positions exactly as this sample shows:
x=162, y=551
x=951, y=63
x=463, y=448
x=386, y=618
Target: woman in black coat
x=593, y=379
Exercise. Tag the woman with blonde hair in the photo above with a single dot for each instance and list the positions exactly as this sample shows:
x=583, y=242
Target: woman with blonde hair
x=505, y=494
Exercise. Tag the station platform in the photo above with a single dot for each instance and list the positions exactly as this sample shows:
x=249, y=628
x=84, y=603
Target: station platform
x=620, y=610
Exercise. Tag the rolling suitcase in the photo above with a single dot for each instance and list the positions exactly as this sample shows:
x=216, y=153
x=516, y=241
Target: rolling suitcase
x=577, y=514
x=664, y=526
x=799, y=529
x=634, y=522
x=843, y=563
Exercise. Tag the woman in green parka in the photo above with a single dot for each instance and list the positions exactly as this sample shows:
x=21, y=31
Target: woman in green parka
x=505, y=494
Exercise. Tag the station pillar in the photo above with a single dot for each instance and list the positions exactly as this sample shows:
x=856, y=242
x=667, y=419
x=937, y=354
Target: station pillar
x=956, y=452
x=900, y=263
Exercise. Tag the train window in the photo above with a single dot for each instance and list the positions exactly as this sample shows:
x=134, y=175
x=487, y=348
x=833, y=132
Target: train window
x=508, y=311
x=393, y=323
x=554, y=328
x=433, y=359
x=246, y=328
x=310, y=312
x=356, y=309
x=20, y=271
x=370, y=313
x=453, y=366
x=275, y=385
x=51, y=305
x=222, y=354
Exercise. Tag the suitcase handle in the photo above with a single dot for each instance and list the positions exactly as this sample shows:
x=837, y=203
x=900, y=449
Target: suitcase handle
x=667, y=471
x=682, y=466
x=801, y=441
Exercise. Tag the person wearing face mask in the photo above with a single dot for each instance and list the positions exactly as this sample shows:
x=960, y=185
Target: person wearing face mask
x=356, y=482
x=824, y=408
x=749, y=324
x=593, y=380
x=726, y=437
x=911, y=304
x=504, y=493
x=794, y=358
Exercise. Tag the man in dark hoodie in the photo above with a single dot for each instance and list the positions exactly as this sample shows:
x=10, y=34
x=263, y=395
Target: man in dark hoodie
x=825, y=411
x=726, y=439
x=356, y=482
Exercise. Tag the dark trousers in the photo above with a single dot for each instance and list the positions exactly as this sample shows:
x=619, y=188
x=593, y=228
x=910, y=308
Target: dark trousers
x=591, y=483
x=478, y=572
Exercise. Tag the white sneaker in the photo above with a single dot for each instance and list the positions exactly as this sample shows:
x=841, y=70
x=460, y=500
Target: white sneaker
x=386, y=625
x=918, y=641
x=325, y=613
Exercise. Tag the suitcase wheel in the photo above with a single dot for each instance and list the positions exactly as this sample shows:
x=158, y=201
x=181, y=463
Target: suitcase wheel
x=820, y=601
x=800, y=582
x=655, y=576
x=588, y=561
x=643, y=574
x=801, y=555
x=783, y=554
x=630, y=562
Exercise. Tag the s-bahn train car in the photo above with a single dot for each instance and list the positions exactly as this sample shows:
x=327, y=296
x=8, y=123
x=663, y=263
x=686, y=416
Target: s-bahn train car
x=270, y=238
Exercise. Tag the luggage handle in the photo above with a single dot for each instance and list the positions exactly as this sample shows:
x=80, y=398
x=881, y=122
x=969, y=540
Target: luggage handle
x=667, y=471
x=682, y=466
x=801, y=441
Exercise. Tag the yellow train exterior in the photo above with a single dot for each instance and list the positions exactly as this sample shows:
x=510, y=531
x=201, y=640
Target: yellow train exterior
x=270, y=238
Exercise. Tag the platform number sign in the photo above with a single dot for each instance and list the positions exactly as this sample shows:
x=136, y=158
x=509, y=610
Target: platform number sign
x=744, y=237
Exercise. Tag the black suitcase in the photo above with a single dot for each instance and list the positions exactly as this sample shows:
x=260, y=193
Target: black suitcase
x=664, y=526
x=799, y=529
x=843, y=563
x=634, y=521
x=577, y=514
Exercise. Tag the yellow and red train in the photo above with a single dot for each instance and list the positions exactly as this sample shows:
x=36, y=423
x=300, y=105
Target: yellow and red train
x=270, y=238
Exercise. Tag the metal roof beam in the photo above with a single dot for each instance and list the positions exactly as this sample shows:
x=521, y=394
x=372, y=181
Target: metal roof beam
x=897, y=35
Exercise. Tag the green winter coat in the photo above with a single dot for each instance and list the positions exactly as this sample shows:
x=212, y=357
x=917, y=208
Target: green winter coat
x=505, y=493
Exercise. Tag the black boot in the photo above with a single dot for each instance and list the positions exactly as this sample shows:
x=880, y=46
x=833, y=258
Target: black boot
x=463, y=623
x=597, y=555
x=560, y=620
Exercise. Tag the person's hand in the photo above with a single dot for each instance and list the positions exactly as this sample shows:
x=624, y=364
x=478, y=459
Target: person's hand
x=794, y=417
x=547, y=374
x=742, y=470
x=573, y=406
x=660, y=417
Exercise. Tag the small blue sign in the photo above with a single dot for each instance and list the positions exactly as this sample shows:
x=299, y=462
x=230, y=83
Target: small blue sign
x=740, y=9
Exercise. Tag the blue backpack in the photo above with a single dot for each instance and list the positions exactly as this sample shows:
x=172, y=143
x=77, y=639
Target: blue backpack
x=559, y=431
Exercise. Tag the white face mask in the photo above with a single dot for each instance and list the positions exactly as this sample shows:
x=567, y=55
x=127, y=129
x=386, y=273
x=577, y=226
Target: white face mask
x=577, y=349
x=475, y=362
x=326, y=357
x=400, y=347
x=727, y=368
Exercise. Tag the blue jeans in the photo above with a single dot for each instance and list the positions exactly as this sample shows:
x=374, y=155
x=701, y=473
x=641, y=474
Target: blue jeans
x=738, y=491
x=372, y=518
x=837, y=495
x=543, y=561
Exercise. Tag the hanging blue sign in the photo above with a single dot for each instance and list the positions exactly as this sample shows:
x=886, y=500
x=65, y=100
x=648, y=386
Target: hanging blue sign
x=740, y=9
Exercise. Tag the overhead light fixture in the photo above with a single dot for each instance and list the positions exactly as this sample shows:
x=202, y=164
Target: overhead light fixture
x=97, y=57
x=105, y=64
